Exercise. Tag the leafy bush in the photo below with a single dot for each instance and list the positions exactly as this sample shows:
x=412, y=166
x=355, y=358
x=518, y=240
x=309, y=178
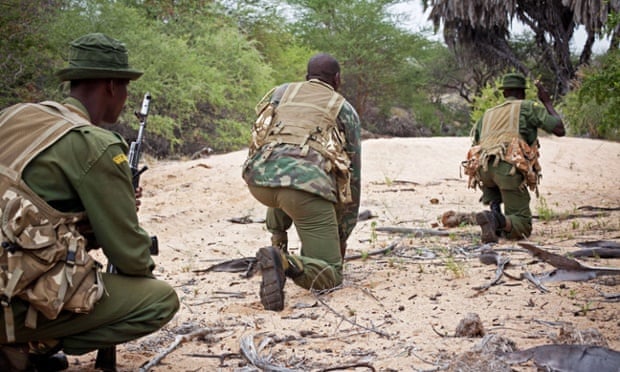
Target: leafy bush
x=582, y=117
x=203, y=74
x=492, y=95
x=24, y=51
x=593, y=109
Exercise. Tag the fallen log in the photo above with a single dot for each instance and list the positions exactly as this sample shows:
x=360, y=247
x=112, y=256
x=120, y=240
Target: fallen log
x=568, y=357
x=566, y=268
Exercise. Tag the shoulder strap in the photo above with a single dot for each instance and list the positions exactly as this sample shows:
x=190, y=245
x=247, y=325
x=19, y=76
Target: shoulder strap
x=33, y=127
x=64, y=111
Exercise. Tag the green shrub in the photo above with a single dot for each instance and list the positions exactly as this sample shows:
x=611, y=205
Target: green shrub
x=491, y=95
x=593, y=109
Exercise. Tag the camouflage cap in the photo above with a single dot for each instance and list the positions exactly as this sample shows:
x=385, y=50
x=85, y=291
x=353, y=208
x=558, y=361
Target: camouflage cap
x=513, y=81
x=97, y=56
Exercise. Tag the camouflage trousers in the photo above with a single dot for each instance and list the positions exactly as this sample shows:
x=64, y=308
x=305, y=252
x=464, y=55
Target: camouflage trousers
x=133, y=307
x=499, y=185
x=317, y=227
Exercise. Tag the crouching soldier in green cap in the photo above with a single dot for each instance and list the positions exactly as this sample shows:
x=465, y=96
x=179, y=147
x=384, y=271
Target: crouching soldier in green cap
x=503, y=160
x=304, y=165
x=60, y=175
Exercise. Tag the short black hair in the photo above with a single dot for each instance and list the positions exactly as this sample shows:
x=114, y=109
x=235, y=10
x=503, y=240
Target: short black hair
x=322, y=66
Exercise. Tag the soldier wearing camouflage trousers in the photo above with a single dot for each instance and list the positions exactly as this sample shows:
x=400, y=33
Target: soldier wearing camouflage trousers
x=304, y=165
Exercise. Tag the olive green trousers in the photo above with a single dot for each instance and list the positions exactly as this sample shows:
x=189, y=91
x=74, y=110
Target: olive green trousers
x=317, y=227
x=498, y=184
x=133, y=307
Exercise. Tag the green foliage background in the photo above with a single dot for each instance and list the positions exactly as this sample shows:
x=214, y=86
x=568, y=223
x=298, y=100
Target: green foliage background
x=491, y=95
x=203, y=75
x=593, y=110
x=208, y=62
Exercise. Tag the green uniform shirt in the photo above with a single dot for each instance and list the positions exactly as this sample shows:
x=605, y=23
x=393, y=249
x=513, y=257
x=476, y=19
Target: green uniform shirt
x=87, y=170
x=285, y=167
x=533, y=115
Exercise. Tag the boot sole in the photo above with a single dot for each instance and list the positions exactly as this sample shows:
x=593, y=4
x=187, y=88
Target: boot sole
x=273, y=278
x=488, y=230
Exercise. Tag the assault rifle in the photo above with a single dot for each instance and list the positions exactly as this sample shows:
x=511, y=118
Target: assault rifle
x=106, y=358
x=135, y=150
x=135, y=153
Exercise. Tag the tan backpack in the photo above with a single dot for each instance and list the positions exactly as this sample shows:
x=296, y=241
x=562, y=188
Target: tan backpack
x=43, y=257
x=500, y=138
x=306, y=116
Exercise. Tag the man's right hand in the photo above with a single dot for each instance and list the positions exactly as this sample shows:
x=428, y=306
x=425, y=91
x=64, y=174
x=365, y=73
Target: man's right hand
x=543, y=95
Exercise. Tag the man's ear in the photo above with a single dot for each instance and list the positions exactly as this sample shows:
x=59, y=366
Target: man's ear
x=337, y=81
x=110, y=87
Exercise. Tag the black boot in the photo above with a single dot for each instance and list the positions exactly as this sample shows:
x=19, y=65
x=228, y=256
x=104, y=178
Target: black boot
x=15, y=358
x=496, y=206
x=33, y=357
x=500, y=219
x=273, y=278
x=488, y=225
x=49, y=363
x=45, y=356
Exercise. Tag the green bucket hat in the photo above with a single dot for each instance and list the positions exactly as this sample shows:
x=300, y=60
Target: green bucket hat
x=97, y=56
x=513, y=81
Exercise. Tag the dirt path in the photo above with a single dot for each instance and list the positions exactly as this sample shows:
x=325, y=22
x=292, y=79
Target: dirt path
x=394, y=312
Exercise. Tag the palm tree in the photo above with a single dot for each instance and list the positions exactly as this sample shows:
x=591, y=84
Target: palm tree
x=479, y=30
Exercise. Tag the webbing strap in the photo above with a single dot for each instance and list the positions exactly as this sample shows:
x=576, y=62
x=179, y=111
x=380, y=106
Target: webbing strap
x=9, y=323
x=9, y=173
x=31, y=317
x=260, y=106
x=290, y=92
x=57, y=120
x=10, y=114
x=70, y=268
x=71, y=116
x=9, y=320
x=37, y=141
x=332, y=102
x=12, y=283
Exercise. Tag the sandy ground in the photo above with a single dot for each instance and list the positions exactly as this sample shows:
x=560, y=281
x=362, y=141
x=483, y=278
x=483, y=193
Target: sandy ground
x=397, y=311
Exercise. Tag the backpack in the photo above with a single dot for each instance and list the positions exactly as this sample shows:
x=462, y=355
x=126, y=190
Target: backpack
x=500, y=138
x=43, y=256
x=306, y=116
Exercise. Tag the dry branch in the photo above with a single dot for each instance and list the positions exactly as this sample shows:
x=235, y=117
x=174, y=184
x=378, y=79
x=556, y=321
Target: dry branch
x=349, y=366
x=385, y=250
x=412, y=231
x=527, y=275
x=594, y=208
x=179, y=339
x=252, y=354
x=566, y=268
x=318, y=297
x=501, y=263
